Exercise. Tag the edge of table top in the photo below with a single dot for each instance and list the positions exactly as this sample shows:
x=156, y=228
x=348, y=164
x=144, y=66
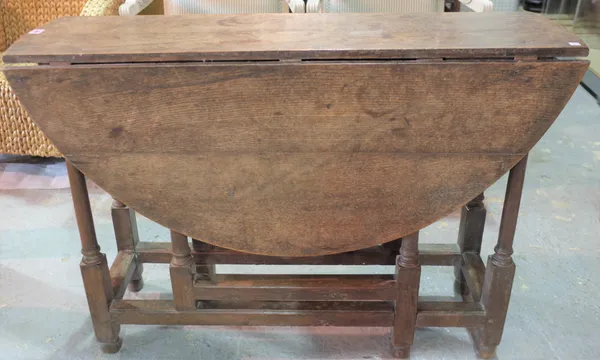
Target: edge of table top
x=114, y=39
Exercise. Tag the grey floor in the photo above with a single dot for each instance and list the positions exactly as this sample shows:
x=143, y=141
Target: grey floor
x=554, y=312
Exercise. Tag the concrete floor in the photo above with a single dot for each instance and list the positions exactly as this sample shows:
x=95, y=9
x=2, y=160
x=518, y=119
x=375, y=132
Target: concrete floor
x=554, y=312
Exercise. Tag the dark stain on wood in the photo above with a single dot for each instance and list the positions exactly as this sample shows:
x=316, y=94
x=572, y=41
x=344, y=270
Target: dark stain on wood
x=115, y=132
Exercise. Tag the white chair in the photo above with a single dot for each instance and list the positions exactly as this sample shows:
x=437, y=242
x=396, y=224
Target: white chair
x=133, y=7
x=479, y=5
x=387, y=6
x=176, y=7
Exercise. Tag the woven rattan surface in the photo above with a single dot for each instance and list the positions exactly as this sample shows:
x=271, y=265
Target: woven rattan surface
x=18, y=134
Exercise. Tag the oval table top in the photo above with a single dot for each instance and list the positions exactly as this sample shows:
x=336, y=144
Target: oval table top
x=297, y=158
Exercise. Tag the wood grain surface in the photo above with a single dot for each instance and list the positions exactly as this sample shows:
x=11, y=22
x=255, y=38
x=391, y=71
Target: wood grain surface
x=270, y=313
x=297, y=288
x=297, y=159
x=295, y=313
x=429, y=254
x=292, y=36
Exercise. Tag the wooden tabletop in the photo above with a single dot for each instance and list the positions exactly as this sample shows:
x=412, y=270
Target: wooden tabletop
x=296, y=158
x=113, y=39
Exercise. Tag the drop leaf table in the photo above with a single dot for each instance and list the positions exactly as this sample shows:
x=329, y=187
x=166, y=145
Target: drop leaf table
x=313, y=139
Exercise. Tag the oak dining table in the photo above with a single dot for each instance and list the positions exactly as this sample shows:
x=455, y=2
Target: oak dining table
x=327, y=139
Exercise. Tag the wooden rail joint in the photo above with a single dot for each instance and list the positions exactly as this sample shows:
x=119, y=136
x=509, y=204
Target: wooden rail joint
x=502, y=256
x=429, y=254
x=92, y=256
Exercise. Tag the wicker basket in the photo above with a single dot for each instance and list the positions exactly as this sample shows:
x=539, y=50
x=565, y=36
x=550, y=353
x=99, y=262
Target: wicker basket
x=18, y=134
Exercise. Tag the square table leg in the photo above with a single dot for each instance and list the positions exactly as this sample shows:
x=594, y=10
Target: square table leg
x=500, y=269
x=94, y=267
x=204, y=270
x=470, y=236
x=126, y=233
x=182, y=273
x=408, y=277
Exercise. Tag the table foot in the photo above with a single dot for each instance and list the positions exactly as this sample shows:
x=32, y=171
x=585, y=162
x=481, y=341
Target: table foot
x=136, y=285
x=112, y=348
x=402, y=352
x=137, y=282
x=486, y=352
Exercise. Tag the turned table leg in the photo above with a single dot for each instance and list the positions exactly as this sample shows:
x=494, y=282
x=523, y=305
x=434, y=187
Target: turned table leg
x=126, y=233
x=470, y=236
x=500, y=270
x=182, y=272
x=408, y=277
x=94, y=268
